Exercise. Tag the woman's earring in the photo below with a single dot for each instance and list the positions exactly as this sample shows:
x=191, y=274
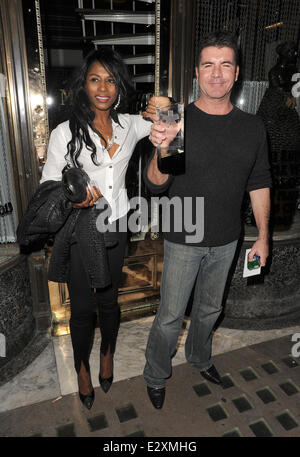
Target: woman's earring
x=118, y=102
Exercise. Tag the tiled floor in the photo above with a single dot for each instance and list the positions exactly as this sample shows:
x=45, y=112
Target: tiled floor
x=259, y=397
x=52, y=375
x=260, y=394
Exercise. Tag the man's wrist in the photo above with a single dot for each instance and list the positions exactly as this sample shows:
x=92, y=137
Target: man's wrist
x=263, y=236
x=154, y=175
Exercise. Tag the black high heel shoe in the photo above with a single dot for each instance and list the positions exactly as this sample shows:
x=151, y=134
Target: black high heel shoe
x=105, y=383
x=87, y=400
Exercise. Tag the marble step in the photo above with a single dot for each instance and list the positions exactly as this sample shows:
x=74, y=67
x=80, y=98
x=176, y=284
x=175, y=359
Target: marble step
x=132, y=40
x=129, y=17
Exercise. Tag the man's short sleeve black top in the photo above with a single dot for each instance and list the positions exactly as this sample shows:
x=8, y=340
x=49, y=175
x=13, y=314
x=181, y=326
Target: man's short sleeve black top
x=225, y=155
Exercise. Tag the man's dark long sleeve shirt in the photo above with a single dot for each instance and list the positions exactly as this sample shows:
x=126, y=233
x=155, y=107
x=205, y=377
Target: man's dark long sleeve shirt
x=226, y=155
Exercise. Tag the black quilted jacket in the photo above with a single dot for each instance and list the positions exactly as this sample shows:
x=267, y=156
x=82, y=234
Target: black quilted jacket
x=50, y=212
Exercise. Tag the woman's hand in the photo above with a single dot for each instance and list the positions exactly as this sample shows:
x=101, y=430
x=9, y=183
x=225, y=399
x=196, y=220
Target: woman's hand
x=155, y=102
x=91, y=198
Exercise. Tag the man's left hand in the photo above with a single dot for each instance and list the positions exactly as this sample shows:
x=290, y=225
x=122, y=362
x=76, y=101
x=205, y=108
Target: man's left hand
x=260, y=248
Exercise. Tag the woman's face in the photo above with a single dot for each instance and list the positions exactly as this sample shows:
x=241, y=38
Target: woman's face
x=100, y=87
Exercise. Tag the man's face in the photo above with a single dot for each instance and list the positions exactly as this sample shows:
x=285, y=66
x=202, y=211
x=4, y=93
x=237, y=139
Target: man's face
x=217, y=72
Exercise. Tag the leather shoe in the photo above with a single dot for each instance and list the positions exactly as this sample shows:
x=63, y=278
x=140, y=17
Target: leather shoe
x=157, y=396
x=211, y=375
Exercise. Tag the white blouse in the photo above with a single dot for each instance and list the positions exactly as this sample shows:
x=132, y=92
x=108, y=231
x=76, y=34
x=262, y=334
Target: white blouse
x=109, y=176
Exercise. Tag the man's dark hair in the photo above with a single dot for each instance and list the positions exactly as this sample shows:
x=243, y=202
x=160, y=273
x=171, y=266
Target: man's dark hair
x=219, y=39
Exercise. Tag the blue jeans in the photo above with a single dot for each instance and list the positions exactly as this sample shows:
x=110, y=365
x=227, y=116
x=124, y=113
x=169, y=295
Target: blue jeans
x=183, y=265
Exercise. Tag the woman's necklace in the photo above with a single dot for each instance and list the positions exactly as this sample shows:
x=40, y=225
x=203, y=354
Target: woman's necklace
x=109, y=142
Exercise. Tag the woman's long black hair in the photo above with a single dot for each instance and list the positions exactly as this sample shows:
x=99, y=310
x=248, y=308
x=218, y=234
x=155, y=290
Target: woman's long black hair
x=81, y=116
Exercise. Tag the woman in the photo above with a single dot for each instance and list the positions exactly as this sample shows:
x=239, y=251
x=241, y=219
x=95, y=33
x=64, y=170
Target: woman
x=101, y=140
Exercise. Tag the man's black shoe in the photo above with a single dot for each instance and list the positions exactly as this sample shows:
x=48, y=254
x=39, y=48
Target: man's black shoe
x=211, y=375
x=157, y=396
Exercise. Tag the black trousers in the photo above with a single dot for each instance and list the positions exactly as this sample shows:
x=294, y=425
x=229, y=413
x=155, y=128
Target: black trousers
x=84, y=300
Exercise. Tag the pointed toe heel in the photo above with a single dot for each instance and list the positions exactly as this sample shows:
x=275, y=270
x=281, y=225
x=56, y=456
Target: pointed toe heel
x=87, y=400
x=105, y=383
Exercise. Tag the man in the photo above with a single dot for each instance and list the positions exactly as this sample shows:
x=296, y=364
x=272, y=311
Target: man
x=226, y=154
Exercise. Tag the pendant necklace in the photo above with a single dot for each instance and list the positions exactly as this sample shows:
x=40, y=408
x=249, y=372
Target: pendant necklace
x=109, y=142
